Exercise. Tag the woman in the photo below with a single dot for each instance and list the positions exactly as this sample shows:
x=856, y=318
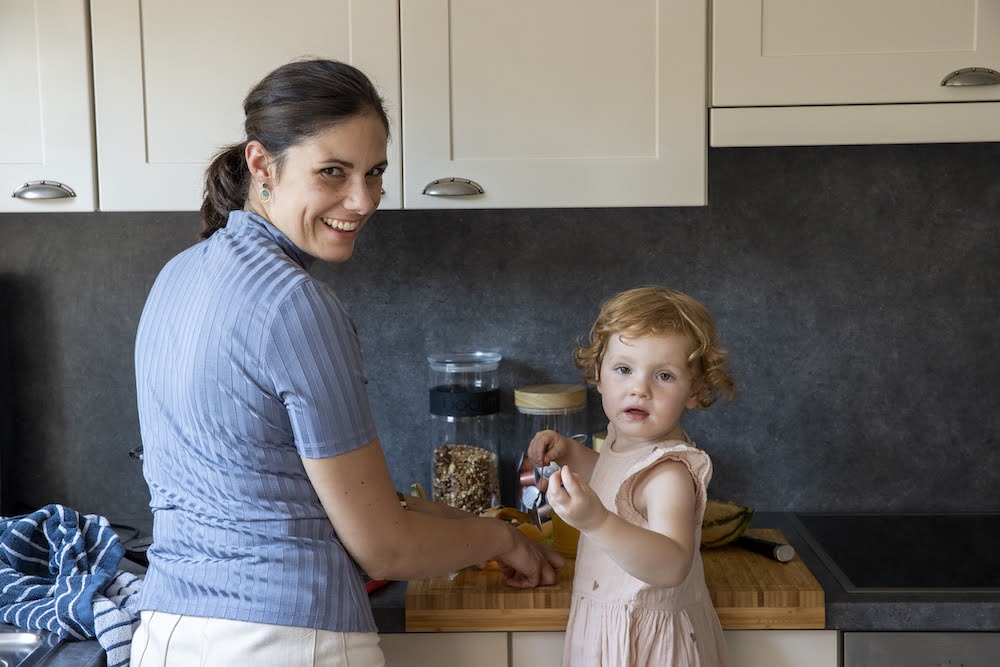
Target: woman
x=270, y=493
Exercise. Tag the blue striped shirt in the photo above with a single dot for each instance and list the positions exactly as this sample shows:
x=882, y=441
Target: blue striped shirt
x=245, y=363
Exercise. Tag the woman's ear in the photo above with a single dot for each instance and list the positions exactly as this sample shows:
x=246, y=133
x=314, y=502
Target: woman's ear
x=258, y=162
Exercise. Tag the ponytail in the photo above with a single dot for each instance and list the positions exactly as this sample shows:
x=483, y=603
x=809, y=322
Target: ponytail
x=227, y=180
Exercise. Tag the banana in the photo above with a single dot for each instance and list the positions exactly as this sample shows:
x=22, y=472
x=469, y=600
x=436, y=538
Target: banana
x=506, y=514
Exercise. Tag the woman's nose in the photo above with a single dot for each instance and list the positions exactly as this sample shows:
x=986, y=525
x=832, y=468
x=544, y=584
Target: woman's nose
x=360, y=198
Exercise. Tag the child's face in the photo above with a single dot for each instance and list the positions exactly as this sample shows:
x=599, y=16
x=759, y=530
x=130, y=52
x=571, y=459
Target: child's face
x=646, y=386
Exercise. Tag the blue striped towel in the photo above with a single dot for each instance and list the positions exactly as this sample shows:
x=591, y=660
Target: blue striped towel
x=58, y=572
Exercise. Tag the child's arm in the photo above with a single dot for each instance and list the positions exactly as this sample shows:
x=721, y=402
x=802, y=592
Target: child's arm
x=548, y=446
x=660, y=555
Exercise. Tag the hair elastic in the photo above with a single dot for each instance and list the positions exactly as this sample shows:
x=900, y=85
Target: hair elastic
x=265, y=194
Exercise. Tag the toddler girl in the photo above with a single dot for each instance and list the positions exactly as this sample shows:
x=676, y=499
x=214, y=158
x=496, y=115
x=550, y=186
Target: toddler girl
x=639, y=593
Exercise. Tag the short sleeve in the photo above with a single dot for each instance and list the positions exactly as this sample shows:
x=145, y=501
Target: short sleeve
x=315, y=360
x=697, y=462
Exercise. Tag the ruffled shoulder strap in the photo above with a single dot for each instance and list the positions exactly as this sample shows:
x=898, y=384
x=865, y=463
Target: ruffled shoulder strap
x=698, y=464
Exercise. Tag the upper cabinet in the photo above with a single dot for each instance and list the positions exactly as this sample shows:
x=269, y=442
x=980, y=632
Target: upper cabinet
x=562, y=103
x=567, y=103
x=797, y=72
x=170, y=78
x=46, y=133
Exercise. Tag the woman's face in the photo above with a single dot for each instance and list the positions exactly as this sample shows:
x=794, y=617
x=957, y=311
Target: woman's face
x=328, y=187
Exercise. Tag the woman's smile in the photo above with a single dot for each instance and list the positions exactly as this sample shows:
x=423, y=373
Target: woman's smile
x=328, y=187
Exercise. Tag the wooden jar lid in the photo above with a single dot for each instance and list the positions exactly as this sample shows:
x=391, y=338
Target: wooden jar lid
x=550, y=397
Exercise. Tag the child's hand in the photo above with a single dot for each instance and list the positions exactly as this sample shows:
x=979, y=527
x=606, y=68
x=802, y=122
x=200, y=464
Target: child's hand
x=574, y=501
x=548, y=446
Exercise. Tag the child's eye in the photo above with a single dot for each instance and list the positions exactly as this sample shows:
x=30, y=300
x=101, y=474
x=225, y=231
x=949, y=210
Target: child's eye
x=623, y=370
x=665, y=376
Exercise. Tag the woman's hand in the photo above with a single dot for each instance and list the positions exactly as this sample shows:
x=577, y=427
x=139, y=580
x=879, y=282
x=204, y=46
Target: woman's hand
x=574, y=501
x=528, y=563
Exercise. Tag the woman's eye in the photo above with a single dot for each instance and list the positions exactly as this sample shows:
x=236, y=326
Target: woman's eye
x=376, y=171
x=333, y=171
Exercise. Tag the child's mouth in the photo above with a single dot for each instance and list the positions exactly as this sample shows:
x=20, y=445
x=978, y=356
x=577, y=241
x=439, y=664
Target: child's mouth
x=636, y=413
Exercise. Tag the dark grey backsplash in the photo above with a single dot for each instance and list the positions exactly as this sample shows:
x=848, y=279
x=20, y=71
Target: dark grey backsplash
x=856, y=287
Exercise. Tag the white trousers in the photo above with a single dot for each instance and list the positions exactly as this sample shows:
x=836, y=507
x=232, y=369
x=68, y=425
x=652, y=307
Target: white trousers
x=169, y=640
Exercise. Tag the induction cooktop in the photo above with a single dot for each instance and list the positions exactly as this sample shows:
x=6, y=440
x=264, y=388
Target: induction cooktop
x=900, y=553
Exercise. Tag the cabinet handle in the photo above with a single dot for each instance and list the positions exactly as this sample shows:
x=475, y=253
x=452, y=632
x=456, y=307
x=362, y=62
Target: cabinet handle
x=972, y=76
x=43, y=190
x=453, y=187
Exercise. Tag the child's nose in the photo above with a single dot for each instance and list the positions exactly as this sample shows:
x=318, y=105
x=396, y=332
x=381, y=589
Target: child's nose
x=639, y=386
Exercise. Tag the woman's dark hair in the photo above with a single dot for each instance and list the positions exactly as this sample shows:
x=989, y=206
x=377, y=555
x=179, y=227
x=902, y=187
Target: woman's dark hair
x=288, y=106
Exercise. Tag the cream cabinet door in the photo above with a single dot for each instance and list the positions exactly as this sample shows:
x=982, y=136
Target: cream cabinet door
x=445, y=649
x=46, y=131
x=532, y=649
x=782, y=648
x=567, y=103
x=802, y=52
x=815, y=72
x=170, y=77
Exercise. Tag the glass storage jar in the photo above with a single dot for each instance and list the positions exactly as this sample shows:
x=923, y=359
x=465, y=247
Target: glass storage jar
x=464, y=429
x=563, y=409
x=560, y=407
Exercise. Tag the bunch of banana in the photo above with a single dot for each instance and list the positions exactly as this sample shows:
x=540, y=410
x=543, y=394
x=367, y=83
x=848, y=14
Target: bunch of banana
x=723, y=522
x=511, y=514
x=521, y=520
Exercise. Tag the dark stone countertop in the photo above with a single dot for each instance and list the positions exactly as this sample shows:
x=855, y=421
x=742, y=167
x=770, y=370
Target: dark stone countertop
x=845, y=611
x=889, y=611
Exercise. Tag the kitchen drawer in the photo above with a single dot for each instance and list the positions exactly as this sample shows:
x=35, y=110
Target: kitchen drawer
x=914, y=649
x=445, y=649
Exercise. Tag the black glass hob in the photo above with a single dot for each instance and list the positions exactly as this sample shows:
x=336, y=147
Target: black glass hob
x=870, y=553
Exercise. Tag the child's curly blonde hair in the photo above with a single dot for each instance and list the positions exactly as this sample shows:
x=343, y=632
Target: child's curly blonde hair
x=658, y=311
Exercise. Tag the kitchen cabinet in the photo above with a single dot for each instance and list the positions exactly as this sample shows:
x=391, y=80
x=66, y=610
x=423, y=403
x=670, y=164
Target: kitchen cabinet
x=530, y=649
x=747, y=648
x=170, y=78
x=566, y=103
x=45, y=119
x=801, y=72
x=782, y=648
x=445, y=649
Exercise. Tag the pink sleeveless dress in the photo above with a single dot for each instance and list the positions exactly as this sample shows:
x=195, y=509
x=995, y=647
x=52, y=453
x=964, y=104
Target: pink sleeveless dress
x=617, y=620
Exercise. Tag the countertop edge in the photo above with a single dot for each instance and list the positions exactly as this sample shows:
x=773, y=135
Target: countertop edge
x=887, y=612
x=846, y=612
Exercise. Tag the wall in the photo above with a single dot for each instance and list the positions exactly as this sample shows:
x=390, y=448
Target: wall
x=857, y=288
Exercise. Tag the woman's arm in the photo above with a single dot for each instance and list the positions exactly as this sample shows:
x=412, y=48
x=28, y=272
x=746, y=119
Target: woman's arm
x=389, y=542
x=440, y=510
x=660, y=555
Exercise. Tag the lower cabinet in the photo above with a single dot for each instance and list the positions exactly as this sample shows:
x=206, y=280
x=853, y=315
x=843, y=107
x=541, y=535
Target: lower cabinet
x=533, y=649
x=445, y=649
x=747, y=648
x=782, y=648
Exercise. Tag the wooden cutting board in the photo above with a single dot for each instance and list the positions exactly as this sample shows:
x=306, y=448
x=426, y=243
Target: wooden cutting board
x=754, y=592
x=749, y=591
